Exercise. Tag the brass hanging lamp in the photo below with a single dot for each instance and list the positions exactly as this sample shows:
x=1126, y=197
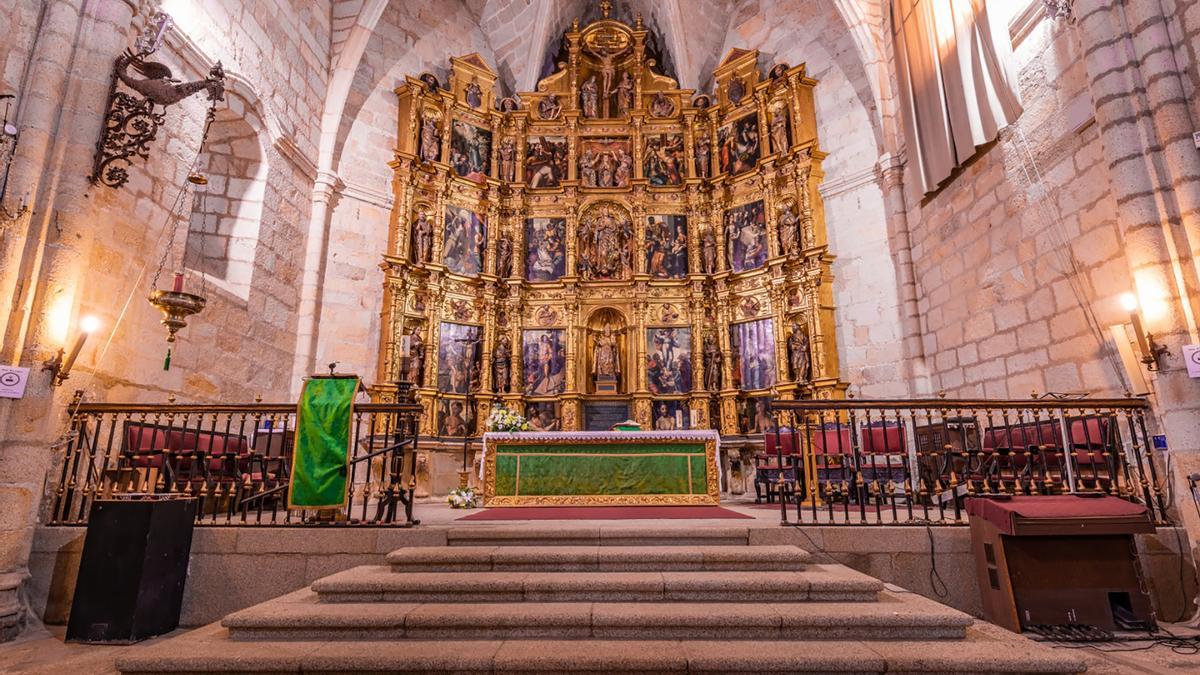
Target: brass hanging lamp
x=176, y=304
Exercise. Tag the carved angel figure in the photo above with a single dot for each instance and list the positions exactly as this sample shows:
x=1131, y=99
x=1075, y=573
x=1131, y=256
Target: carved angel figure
x=159, y=84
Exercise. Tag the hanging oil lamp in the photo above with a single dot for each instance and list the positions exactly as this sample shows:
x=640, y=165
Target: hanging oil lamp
x=176, y=304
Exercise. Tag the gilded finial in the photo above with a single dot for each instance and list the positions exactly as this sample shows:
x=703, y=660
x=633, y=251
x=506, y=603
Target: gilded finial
x=637, y=21
x=605, y=7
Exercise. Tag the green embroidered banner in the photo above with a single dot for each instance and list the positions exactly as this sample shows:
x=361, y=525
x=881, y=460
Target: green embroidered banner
x=321, y=458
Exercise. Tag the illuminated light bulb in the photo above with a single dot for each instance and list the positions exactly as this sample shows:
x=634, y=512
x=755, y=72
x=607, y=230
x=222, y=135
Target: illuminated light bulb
x=89, y=324
x=1129, y=301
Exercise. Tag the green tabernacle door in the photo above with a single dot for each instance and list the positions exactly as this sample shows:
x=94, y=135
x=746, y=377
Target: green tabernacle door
x=582, y=472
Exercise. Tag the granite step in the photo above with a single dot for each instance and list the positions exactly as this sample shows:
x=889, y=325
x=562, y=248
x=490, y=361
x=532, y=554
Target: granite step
x=985, y=649
x=596, y=535
x=378, y=583
x=896, y=615
x=597, y=558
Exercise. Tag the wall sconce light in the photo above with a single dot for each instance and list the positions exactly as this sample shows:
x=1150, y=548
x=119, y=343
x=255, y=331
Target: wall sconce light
x=60, y=367
x=1152, y=352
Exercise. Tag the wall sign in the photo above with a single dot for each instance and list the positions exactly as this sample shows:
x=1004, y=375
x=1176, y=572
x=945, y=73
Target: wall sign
x=1191, y=356
x=12, y=381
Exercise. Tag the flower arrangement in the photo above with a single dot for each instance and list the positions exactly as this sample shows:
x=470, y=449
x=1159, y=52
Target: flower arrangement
x=503, y=419
x=462, y=498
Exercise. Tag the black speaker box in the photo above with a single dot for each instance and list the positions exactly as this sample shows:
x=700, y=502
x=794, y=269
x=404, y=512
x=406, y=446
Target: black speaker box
x=131, y=575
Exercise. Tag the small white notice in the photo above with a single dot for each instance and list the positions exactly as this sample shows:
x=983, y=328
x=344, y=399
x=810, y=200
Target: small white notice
x=1191, y=356
x=12, y=381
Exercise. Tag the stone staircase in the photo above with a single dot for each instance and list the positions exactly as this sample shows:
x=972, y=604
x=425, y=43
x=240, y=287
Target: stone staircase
x=512, y=600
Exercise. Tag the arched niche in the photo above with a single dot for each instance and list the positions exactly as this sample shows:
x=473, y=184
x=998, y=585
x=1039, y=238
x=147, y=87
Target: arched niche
x=615, y=322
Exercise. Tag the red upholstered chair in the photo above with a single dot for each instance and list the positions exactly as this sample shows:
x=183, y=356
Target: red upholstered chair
x=884, y=452
x=1020, y=451
x=184, y=455
x=779, y=454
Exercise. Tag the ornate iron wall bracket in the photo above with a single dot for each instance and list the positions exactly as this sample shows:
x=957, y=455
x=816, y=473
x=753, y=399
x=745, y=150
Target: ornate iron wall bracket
x=132, y=121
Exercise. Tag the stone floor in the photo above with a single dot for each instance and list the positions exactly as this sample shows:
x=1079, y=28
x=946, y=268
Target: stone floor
x=43, y=650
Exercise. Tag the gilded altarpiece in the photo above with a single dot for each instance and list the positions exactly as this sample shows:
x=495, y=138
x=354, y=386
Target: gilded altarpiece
x=625, y=230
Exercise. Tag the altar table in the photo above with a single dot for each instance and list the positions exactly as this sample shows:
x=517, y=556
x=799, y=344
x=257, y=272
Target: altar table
x=590, y=468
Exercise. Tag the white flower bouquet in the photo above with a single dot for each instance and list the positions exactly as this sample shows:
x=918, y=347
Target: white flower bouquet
x=503, y=419
x=462, y=498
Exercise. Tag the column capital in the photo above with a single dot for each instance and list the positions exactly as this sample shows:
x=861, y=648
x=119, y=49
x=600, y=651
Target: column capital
x=325, y=185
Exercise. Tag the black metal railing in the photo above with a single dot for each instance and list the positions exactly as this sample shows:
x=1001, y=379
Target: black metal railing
x=884, y=462
x=235, y=460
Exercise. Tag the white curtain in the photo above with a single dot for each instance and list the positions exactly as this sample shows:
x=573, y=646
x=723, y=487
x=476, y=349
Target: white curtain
x=957, y=85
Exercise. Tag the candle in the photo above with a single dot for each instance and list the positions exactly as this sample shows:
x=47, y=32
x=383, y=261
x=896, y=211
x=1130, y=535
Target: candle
x=678, y=419
x=178, y=282
x=66, y=365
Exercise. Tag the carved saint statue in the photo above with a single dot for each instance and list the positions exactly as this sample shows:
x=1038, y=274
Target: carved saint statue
x=589, y=98
x=789, y=231
x=508, y=160
x=661, y=106
x=713, y=360
x=708, y=252
x=798, y=354
x=703, y=156
x=431, y=140
x=587, y=167
x=416, y=358
x=606, y=357
x=605, y=244
x=502, y=365
x=550, y=108
x=625, y=90
x=504, y=258
x=422, y=238
x=624, y=168
x=779, y=131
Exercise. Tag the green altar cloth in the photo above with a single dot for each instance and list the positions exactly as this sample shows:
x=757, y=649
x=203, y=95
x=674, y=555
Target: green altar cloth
x=598, y=468
x=321, y=459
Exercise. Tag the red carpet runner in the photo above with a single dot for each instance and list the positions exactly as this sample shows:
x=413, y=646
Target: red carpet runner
x=603, y=513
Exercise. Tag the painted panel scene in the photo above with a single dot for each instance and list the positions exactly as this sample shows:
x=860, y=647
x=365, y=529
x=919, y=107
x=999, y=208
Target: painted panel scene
x=754, y=416
x=666, y=247
x=669, y=360
x=463, y=241
x=458, y=358
x=663, y=162
x=543, y=416
x=753, y=347
x=746, y=236
x=546, y=161
x=545, y=248
x=471, y=151
x=455, y=418
x=670, y=415
x=544, y=355
x=738, y=147
x=605, y=162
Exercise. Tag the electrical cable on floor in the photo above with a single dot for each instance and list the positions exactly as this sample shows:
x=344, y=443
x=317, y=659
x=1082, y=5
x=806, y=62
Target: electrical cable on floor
x=935, y=578
x=1159, y=637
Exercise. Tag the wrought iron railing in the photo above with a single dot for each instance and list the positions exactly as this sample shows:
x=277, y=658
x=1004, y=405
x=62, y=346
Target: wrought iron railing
x=234, y=459
x=883, y=462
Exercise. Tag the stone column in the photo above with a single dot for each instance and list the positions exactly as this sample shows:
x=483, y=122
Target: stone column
x=69, y=78
x=890, y=171
x=1142, y=116
x=316, y=252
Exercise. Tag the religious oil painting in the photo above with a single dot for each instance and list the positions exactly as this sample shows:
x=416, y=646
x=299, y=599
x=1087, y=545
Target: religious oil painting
x=746, y=236
x=663, y=162
x=545, y=248
x=669, y=360
x=666, y=247
x=753, y=346
x=544, y=356
x=471, y=151
x=546, y=161
x=670, y=415
x=463, y=241
x=543, y=416
x=738, y=147
x=458, y=358
x=455, y=418
x=754, y=416
x=605, y=162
